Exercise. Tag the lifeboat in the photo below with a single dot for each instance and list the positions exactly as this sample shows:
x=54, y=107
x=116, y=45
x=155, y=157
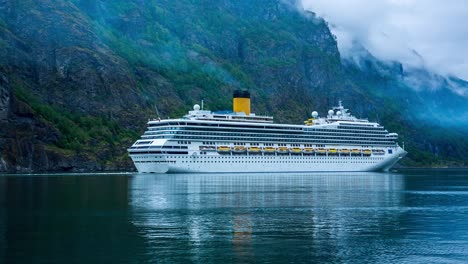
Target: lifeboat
x=296, y=151
x=332, y=151
x=344, y=151
x=224, y=149
x=239, y=149
x=282, y=150
x=321, y=151
x=356, y=152
x=269, y=150
x=254, y=150
x=308, y=151
x=367, y=152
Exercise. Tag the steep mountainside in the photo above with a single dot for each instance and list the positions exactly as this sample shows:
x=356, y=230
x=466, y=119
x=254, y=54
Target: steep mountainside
x=79, y=78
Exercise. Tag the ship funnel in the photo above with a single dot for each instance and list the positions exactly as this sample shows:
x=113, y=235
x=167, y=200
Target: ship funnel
x=241, y=102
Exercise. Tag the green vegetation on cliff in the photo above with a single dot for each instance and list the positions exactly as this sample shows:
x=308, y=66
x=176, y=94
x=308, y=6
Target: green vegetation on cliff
x=92, y=73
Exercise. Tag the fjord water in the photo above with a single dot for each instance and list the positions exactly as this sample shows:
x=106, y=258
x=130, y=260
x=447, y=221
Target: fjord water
x=405, y=217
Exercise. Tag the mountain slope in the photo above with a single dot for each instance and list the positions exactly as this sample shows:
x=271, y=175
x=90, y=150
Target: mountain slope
x=90, y=73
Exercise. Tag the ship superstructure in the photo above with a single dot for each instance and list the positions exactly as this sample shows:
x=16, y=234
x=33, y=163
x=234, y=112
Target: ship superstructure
x=240, y=141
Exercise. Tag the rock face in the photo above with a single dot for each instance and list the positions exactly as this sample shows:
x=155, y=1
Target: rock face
x=79, y=78
x=5, y=94
x=25, y=139
x=64, y=61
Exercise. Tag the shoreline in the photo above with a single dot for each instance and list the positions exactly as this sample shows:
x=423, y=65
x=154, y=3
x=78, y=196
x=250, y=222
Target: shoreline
x=49, y=173
x=428, y=168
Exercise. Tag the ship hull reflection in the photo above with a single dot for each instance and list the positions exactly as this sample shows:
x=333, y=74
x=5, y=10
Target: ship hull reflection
x=238, y=211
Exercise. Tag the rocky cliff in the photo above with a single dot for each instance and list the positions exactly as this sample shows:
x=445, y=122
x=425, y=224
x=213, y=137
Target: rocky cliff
x=80, y=78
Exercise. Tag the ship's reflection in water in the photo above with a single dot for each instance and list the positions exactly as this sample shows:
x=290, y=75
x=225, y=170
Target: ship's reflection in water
x=269, y=217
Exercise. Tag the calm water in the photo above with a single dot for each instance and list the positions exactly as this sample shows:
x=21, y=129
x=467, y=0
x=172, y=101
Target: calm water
x=411, y=217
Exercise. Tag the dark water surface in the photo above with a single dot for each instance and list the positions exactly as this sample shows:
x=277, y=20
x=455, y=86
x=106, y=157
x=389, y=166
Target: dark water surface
x=405, y=217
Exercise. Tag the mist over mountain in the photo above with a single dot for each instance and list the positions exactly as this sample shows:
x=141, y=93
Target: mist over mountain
x=79, y=79
x=419, y=34
x=423, y=39
x=444, y=96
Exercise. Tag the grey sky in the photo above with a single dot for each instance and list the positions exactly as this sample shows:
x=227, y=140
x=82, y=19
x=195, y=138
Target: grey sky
x=418, y=33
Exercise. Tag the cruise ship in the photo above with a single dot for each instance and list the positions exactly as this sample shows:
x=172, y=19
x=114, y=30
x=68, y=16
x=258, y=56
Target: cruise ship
x=240, y=141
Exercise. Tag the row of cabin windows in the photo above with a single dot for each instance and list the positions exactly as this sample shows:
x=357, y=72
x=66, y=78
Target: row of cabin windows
x=331, y=161
x=298, y=139
x=276, y=162
x=263, y=130
x=340, y=142
x=336, y=141
x=299, y=128
x=280, y=157
x=320, y=136
x=269, y=144
x=265, y=158
x=243, y=144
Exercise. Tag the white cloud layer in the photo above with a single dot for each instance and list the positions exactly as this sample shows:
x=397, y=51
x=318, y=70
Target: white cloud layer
x=418, y=33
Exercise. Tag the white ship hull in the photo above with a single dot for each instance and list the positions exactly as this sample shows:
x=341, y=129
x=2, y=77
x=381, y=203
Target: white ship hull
x=196, y=163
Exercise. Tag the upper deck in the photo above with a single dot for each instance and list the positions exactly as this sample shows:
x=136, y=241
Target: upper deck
x=339, y=116
x=198, y=114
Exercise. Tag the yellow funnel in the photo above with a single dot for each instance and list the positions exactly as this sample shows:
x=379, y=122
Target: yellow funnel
x=241, y=102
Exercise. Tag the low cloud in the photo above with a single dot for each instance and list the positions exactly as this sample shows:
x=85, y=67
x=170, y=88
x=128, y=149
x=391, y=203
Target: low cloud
x=428, y=34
